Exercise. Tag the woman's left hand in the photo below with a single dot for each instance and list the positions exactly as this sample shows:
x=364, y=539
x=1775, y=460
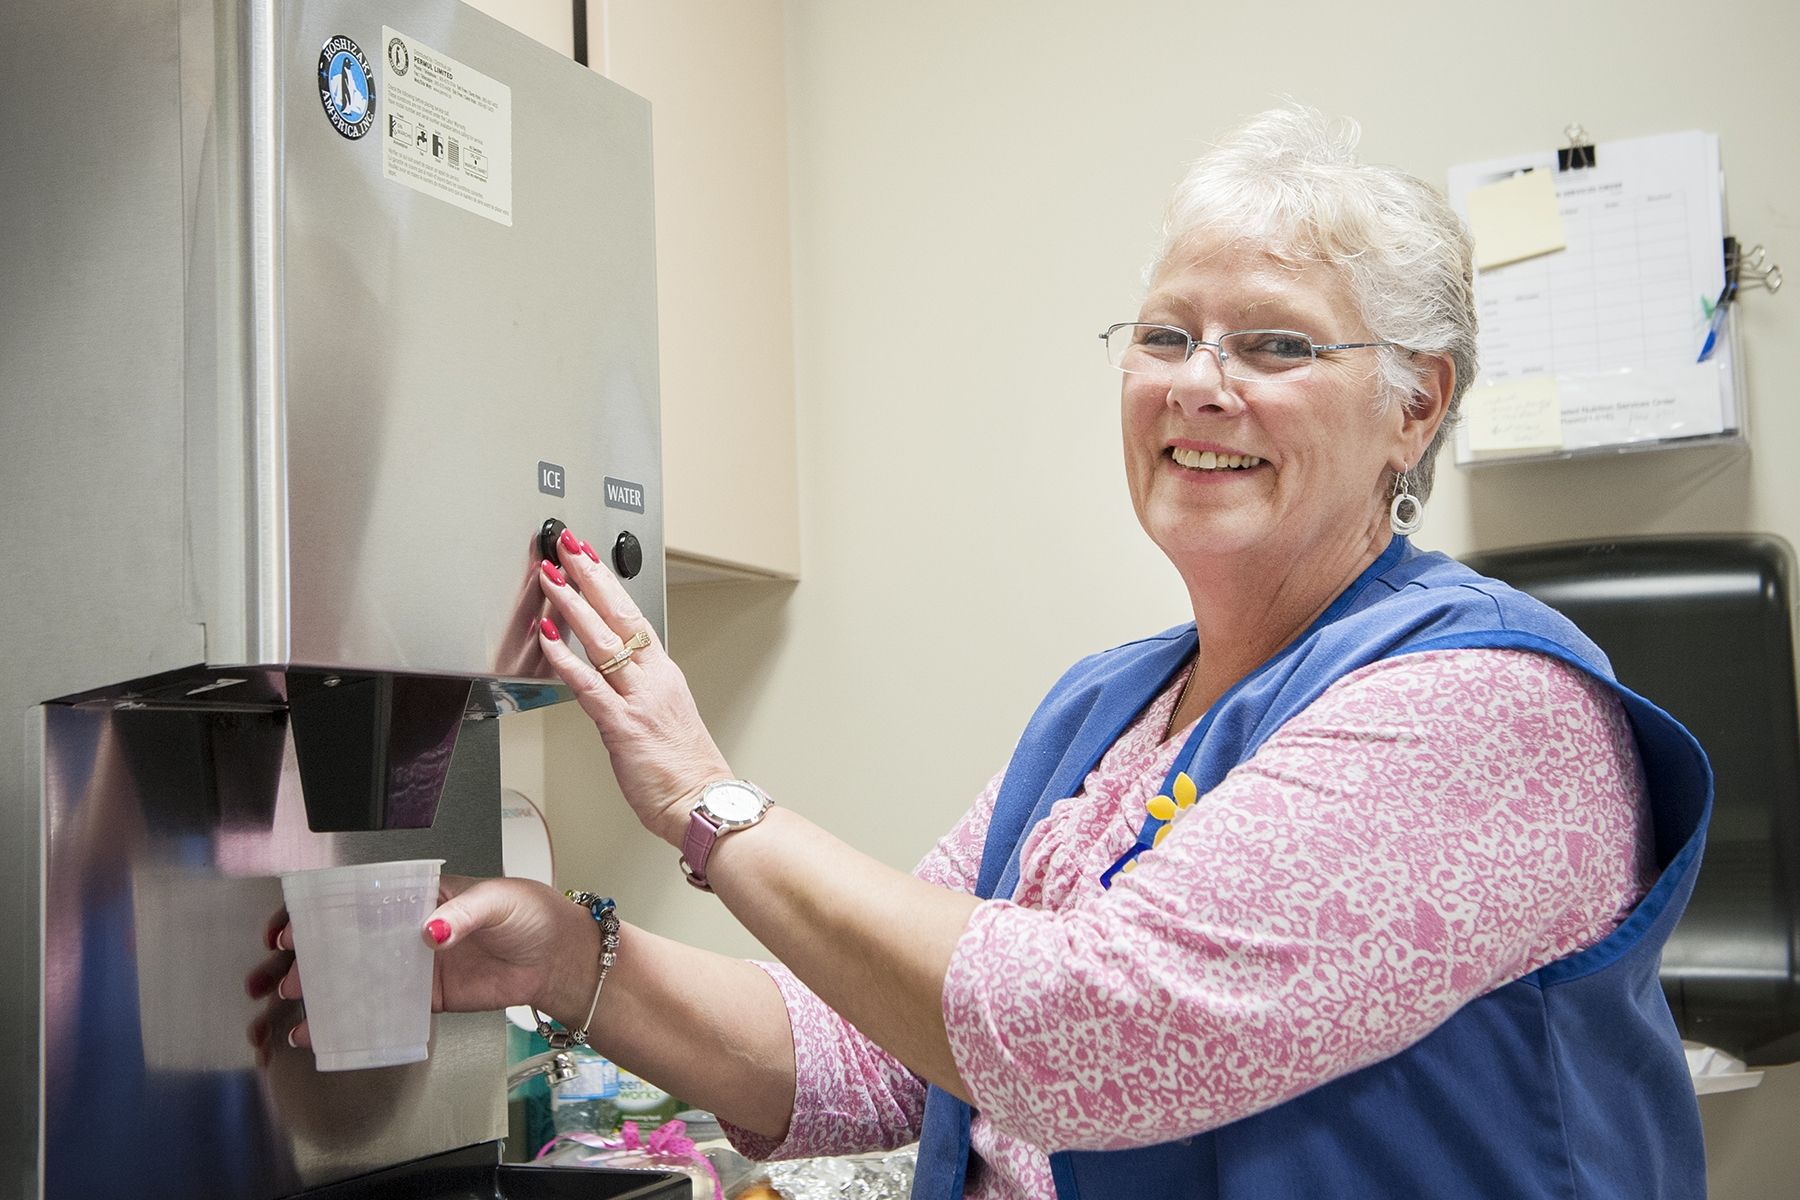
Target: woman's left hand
x=661, y=751
x=496, y=942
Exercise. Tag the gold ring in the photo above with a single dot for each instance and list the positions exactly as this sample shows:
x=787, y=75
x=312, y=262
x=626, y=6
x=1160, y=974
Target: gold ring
x=638, y=641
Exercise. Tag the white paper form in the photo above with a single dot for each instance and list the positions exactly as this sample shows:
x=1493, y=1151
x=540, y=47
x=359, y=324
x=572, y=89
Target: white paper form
x=1616, y=320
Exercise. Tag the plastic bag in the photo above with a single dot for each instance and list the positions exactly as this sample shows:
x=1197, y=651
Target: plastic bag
x=667, y=1148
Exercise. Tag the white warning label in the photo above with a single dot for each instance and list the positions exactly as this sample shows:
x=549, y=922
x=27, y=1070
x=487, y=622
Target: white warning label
x=448, y=129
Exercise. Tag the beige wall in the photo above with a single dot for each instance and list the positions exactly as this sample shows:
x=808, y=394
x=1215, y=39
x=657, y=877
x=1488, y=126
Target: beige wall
x=974, y=187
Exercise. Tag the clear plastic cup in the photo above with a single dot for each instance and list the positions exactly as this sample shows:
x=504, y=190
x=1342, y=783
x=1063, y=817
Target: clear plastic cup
x=363, y=960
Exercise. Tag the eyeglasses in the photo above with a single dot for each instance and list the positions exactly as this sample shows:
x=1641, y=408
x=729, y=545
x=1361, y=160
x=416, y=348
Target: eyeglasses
x=1252, y=355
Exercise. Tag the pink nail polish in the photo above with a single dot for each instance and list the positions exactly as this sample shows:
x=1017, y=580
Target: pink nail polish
x=569, y=543
x=554, y=572
x=588, y=549
x=439, y=929
x=290, y=1037
x=547, y=627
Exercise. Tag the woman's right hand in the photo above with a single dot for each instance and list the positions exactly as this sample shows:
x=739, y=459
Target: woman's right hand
x=498, y=942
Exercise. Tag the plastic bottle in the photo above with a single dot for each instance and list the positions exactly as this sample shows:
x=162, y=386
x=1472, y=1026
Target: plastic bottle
x=586, y=1103
x=643, y=1102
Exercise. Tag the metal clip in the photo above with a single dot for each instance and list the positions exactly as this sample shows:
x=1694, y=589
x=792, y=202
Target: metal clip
x=1578, y=153
x=1748, y=266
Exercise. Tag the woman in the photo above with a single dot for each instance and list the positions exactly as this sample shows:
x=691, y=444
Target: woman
x=1355, y=886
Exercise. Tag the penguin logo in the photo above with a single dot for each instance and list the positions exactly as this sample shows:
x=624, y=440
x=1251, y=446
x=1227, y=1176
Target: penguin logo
x=346, y=87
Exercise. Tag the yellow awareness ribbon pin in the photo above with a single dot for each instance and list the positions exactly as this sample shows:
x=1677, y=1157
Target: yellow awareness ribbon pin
x=1170, y=809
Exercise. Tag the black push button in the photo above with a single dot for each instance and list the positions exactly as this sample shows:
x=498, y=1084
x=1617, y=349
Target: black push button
x=628, y=555
x=548, y=537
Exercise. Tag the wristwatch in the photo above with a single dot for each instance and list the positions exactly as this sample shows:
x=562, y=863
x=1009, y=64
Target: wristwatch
x=723, y=807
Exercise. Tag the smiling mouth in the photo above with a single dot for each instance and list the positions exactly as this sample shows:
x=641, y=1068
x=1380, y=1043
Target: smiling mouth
x=1206, y=460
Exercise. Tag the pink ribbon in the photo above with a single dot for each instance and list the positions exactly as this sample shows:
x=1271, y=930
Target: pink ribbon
x=668, y=1140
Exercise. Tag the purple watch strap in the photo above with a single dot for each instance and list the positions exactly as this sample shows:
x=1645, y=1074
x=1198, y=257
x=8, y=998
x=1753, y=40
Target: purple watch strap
x=696, y=848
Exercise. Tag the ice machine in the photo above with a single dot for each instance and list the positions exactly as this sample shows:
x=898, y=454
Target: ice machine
x=316, y=318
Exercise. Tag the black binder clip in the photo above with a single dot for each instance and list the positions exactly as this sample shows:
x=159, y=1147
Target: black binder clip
x=1746, y=269
x=1578, y=153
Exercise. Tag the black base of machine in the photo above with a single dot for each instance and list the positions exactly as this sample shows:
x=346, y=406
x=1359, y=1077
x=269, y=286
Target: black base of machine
x=472, y=1173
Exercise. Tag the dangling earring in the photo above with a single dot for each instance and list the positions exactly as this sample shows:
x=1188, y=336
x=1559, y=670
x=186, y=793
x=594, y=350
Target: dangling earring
x=1406, y=512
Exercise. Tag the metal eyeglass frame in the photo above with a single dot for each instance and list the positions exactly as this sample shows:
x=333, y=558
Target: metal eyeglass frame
x=1195, y=343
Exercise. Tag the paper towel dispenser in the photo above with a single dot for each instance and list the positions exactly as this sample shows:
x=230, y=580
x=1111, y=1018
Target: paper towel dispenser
x=1703, y=626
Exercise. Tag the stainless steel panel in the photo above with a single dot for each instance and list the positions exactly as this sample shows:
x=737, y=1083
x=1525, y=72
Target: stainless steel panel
x=21, y=967
x=259, y=156
x=434, y=356
x=91, y=434
x=304, y=402
x=167, y=834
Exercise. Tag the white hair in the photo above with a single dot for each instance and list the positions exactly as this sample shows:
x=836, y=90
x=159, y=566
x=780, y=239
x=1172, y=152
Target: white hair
x=1289, y=178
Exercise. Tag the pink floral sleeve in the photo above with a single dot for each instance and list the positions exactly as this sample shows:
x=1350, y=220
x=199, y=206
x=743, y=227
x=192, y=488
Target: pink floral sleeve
x=1433, y=826
x=855, y=1096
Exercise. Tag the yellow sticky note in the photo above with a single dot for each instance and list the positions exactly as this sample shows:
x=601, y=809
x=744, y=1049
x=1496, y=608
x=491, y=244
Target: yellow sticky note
x=1514, y=414
x=1514, y=219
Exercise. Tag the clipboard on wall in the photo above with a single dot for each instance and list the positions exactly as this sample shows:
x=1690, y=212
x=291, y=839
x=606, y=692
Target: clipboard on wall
x=1597, y=269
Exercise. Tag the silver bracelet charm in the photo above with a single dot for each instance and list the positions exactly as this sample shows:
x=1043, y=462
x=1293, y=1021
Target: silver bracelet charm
x=605, y=912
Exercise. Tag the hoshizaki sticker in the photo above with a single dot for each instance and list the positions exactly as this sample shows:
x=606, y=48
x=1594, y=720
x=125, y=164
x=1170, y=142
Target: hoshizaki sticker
x=346, y=87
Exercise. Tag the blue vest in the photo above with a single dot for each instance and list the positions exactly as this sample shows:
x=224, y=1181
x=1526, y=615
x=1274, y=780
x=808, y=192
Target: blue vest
x=1568, y=1083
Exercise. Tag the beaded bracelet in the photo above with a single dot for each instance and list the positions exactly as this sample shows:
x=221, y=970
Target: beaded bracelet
x=605, y=912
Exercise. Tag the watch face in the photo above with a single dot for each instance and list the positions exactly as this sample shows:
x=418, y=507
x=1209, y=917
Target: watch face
x=733, y=802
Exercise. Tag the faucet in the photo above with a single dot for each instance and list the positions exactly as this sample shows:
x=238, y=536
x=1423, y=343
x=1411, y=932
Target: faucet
x=557, y=1065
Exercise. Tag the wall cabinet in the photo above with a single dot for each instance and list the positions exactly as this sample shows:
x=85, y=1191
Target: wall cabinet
x=549, y=21
x=715, y=78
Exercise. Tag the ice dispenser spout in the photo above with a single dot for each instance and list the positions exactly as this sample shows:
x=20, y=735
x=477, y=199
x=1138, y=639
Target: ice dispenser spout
x=373, y=750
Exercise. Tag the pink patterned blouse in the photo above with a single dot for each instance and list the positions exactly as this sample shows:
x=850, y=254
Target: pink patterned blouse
x=1432, y=827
